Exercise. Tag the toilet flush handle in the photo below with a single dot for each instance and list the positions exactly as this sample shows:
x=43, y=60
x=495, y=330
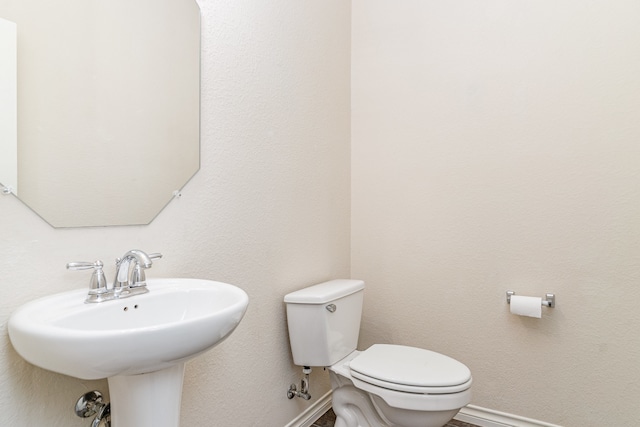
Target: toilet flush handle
x=331, y=308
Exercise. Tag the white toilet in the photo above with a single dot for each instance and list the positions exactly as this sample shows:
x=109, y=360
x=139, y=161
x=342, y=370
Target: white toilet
x=383, y=386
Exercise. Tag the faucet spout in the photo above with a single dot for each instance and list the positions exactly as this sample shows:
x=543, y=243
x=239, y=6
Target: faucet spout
x=125, y=279
x=141, y=257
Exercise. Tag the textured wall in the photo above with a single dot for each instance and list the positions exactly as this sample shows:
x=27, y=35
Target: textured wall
x=495, y=146
x=269, y=212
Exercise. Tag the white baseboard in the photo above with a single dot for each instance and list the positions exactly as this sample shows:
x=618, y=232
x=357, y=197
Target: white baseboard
x=313, y=412
x=484, y=417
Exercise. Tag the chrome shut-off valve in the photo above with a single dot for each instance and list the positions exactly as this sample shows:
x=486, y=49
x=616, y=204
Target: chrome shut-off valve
x=304, y=386
x=91, y=404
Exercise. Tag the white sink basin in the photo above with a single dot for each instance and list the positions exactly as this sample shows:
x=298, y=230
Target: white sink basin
x=177, y=320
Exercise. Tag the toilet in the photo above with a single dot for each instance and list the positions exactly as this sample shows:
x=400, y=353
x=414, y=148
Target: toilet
x=383, y=386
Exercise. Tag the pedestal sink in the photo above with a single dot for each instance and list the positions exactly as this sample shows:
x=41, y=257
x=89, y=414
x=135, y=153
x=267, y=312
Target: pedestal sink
x=139, y=343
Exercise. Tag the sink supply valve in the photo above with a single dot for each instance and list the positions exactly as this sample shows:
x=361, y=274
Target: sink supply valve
x=304, y=386
x=91, y=404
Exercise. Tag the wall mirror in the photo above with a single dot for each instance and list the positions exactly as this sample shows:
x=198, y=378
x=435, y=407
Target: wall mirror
x=104, y=124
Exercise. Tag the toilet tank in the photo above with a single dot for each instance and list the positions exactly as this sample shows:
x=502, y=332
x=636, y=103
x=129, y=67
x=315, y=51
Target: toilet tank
x=324, y=321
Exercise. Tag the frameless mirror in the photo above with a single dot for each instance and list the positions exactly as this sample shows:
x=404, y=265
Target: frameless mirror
x=104, y=124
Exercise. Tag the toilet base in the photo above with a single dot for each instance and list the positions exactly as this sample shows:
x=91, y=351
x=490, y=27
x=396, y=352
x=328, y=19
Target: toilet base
x=356, y=408
x=406, y=418
x=353, y=408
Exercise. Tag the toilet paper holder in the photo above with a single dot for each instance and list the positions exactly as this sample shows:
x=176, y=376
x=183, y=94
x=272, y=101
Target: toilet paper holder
x=548, y=301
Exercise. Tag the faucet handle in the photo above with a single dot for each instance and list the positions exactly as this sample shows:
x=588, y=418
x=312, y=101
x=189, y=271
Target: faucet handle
x=98, y=283
x=138, y=278
x=84, y=265
x=156, y=255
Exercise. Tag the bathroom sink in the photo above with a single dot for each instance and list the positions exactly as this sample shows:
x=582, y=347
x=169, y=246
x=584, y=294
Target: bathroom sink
x=177, y=320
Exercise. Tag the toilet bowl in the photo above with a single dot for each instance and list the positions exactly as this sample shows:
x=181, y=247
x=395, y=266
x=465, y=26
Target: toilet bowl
x=383, y=386
x=405, y=386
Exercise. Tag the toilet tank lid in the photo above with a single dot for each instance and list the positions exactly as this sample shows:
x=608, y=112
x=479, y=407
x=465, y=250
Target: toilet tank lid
x=325, y=292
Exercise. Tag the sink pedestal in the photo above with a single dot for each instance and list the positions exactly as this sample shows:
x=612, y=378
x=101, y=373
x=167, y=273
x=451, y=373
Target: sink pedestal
x=147, y=400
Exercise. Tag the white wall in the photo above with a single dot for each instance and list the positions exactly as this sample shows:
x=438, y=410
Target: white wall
x=495, y=146
x=269, y=212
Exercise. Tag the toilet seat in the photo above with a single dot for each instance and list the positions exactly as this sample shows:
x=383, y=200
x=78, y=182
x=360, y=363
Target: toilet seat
x=391, y=394
x=411, y=370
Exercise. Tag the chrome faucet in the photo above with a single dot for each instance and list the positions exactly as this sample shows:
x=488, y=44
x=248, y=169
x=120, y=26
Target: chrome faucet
x=125, y=281
x=128, y=281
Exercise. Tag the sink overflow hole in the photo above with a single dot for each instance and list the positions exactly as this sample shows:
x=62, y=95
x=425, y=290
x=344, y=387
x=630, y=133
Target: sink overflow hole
x=127, y=308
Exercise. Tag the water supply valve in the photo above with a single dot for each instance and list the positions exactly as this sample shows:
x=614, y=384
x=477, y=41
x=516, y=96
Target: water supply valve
x=91, y=404
x=304, y=386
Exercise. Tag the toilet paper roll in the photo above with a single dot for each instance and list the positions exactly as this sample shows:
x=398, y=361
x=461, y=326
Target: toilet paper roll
x=526, y=306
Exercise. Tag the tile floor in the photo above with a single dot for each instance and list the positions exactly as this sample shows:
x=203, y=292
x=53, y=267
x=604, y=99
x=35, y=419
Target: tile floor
x=329, y=418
